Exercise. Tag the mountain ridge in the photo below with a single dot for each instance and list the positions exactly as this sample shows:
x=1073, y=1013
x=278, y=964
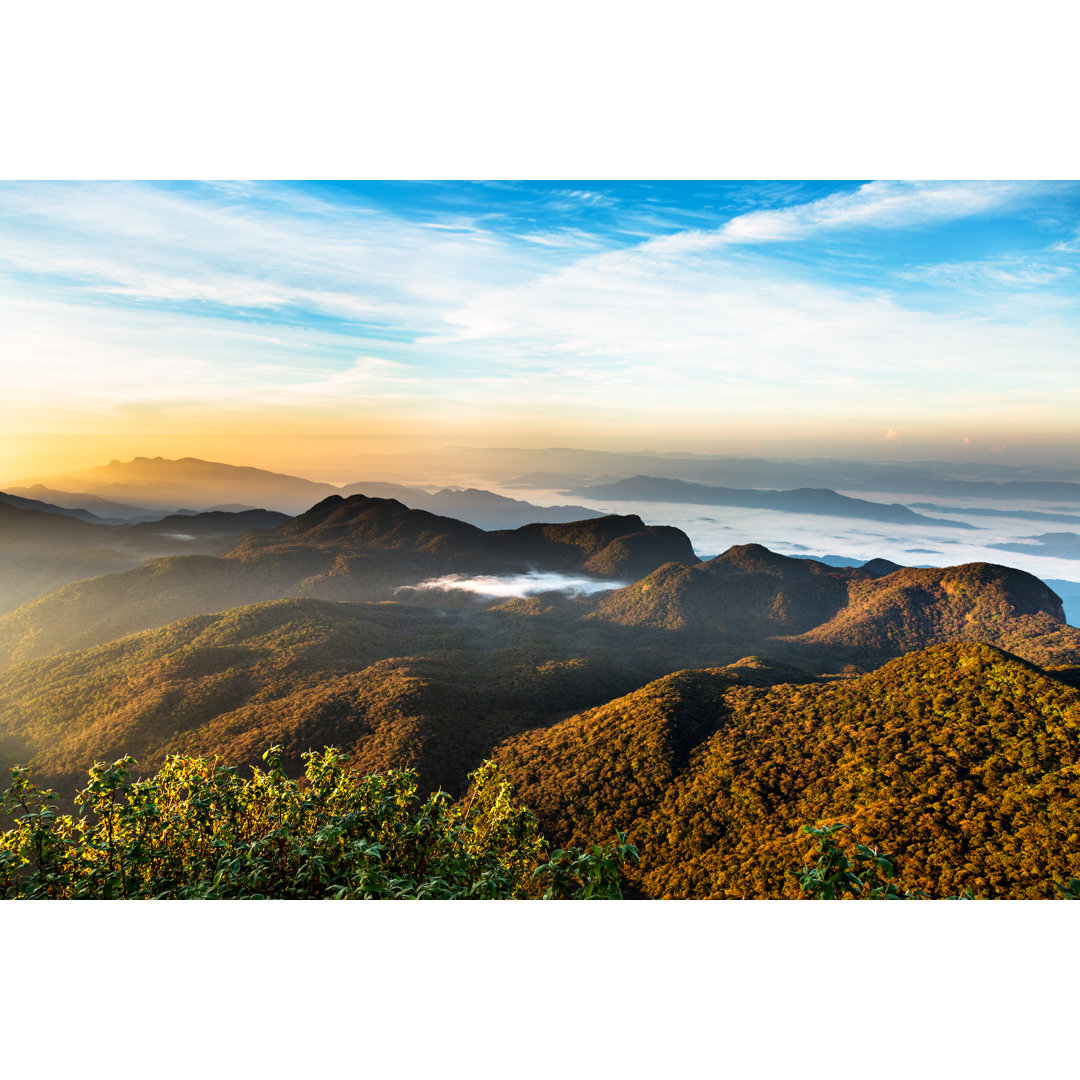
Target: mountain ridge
x=340, y=549
x=806, y=500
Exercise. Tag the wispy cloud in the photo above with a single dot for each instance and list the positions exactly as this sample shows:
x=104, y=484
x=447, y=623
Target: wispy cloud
x=369, y=376
x=877, y=205
x=649, y=327
x=516, y=301
x=285, y=250
x=1005, y=273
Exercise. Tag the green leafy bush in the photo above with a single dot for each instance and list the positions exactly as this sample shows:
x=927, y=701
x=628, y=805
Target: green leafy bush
x=1071, y=890
x=198, y=830
x=863, y=873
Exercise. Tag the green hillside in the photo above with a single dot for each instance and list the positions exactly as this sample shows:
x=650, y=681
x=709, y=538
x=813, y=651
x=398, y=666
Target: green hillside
x=396, y=686
x=962, y=759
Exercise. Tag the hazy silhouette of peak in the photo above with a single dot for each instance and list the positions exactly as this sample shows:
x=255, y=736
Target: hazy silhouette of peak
x=881, y=567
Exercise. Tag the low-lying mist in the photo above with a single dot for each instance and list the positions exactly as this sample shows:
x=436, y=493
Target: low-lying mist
x=515, y=585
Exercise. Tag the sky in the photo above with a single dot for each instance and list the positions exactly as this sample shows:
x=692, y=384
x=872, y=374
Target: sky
x=288, y=325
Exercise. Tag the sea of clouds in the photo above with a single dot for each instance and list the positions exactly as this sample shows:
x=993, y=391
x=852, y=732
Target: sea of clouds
x=713, y=529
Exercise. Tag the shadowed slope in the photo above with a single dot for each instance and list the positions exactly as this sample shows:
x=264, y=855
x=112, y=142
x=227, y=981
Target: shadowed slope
x=41, y=551
x=395, y=685
x=341, y=549
x=751, y=599
x=749, y=592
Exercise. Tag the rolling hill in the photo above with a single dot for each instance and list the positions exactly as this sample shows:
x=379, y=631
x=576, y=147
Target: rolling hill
x=960, y=759
x=396, y=685
x=341, y=549
x=43, y=549
x=750, y=599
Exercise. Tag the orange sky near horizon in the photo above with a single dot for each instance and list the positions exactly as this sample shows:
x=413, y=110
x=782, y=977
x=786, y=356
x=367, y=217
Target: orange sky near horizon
x=340, y=454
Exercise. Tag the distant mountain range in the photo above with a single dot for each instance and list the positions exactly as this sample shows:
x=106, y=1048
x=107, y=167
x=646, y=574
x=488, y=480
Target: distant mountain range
x=484, y=509
x=163, y=484
x=798, y=501
x=934, y=478
x=984, y=511
x=152, y=486
x=1062, y=545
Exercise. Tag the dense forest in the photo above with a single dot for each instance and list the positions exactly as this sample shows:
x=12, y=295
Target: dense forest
x=964, y=760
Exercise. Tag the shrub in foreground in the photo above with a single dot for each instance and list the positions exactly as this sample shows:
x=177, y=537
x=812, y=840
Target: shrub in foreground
x=198, y=830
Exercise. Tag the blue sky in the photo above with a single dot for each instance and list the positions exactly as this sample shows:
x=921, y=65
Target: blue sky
x=864, y=318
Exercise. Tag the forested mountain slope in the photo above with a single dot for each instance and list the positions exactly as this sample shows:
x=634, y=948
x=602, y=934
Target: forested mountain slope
x=752, y=600
x=395, y=685
x=962, y=760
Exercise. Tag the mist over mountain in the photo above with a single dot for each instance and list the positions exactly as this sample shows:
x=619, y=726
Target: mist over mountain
x=22, y=503
x=799, y=501
x=28, y=526
x=341, y=549
x=41, y=550
x=1062, y=545
x=748, y=599
x=79, y=504
x=570, y=467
